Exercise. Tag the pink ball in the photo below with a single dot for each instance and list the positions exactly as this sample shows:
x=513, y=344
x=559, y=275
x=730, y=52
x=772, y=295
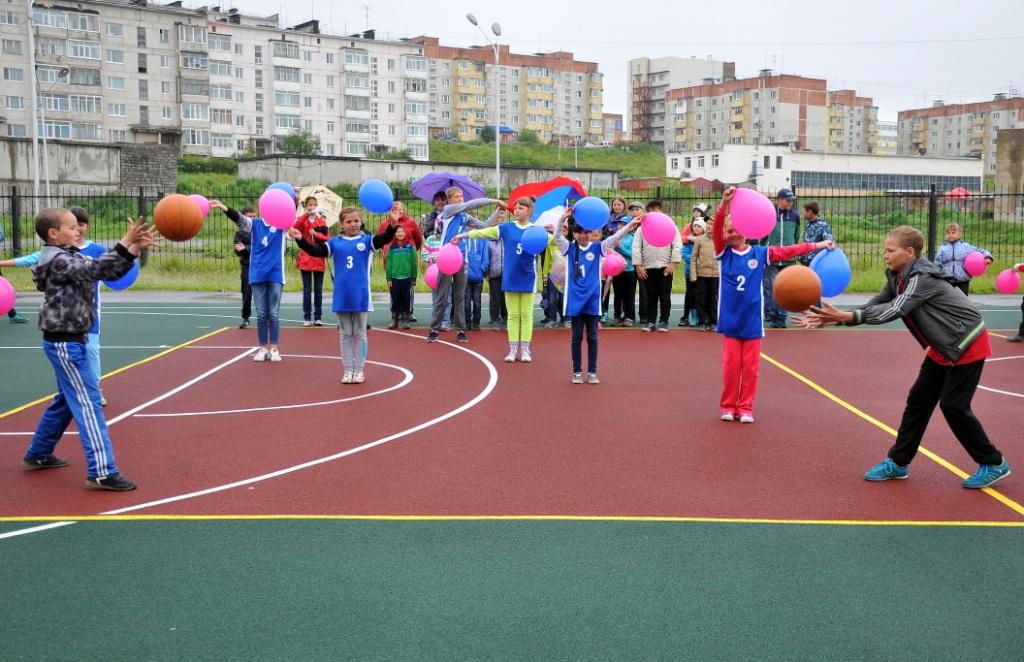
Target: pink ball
x=449, y=259
x=658, y=229
x=6, y=295
x=613, y=265
x=277, y=208
x=975, y=264
x=1008, y=281
x=204, y=204
x=753, y=215
x=430, y=276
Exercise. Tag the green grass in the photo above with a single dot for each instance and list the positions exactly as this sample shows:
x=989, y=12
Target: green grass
x=631, y=160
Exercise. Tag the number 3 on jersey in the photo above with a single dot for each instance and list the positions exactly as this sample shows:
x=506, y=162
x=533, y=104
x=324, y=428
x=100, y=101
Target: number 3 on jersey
x=348, y=262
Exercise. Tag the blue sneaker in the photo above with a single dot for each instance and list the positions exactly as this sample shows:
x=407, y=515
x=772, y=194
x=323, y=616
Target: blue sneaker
x=886, y=470
x=988, y=475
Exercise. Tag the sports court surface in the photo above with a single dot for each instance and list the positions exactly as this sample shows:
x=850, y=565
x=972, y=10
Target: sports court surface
x=457, y=507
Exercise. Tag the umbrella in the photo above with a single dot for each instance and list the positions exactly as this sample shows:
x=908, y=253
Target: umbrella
x=330, y=202
x=548, y=194
x=427, y=186
x=958, y=192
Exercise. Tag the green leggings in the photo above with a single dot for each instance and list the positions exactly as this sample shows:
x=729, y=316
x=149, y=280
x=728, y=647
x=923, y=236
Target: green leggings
x=520, y=316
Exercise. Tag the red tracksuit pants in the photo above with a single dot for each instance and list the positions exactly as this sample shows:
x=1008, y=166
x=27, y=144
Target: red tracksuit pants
x=740, y=361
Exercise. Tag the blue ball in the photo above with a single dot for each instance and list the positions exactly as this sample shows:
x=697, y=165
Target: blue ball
x=376, y=196
x=535, y=240
x=286, y=187
x=834, y=271
x=591, y=213
x=125, y=281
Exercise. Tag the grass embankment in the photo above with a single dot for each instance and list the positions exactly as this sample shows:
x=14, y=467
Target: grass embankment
x=631, y=160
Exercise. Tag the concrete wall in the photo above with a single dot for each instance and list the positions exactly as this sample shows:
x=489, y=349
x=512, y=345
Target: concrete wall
x=1010, y=174
x=330, y=171
x=149, y=165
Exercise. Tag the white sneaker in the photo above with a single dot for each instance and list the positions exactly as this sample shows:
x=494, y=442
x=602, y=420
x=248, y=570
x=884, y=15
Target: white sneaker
x=347, y=377
x=746, y=418
x=511, y=356
x=358, y=378
x=275, y=356
x=261, y=355
x=577, y=378
x=524, y=356
x=727, y=416
x=592, y=378
x=306, y=323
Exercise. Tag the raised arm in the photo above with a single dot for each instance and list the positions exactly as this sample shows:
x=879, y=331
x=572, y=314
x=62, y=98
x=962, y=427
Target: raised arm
x=453, y=209
x=381, y=240
x=609, y=243
x=316, y=250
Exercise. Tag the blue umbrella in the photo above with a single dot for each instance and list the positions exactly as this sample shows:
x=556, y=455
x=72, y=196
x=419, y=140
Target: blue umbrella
x=427, y=186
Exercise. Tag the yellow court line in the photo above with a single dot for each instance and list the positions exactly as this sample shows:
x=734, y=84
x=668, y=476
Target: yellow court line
x=997, y=335
x=165, y=352
x=505, y=518
x=991, y=491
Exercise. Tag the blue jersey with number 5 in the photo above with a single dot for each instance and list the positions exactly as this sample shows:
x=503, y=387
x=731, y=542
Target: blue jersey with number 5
x=353, y=257
x=740, y=302
x=519, y=272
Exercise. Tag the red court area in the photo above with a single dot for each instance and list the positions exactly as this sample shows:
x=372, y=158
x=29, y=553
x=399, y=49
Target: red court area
x=463, y=433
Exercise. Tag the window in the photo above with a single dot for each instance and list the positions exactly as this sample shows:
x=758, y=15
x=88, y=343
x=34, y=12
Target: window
x=239, y=73
x=416, y=107
x=140, y=37
x=50, y=46
x=286, y=98
x=195, y=111
x=286, y=49
x=117, y=135
x=391, y=87
x=307, y=102
x=142, y=63
x=10, y=46
x=54, y=18
x=446, y=98
x=415, y=84
x=714, y=160
x=84, y=104
x=700, y=161
x=330, y=127
x=144, y=115
x=767, y=162
x=357, y=57
x=192, y=34
x=307, y=125
x=356, y=80
x=239, y=97
x=330, y=103
x=15, y=103
x=286, y=74
x=222, y=140
x=240, y=121
x=194, y=60
x=9, y=18
x=165, y=36
x=165, y=61
x=57, y=129
x=675, y=164
x=219, y=116
x=778, y=162
x=82, y=22
x=286, y=121
x=195, y=137
x=687, y=162
x=218, y=42
x=330, y=58
x=259, y=126
x=356, y=103
x=86, y=131
x=195, y=87
x=258, y=78
x=240, y=145
x=391, y=130
x=222, y=92
x=143, y=90
x=86, y=50
x=415, y=64
x=307, y=56
x=259, y=102
x=330, y=81
x=220, y=68
x=257, y=54
x=115, y=83
x=356, y=148
x=84, y=76
x=166, y=114
x=357, y=127
x=330, y=149
x=238, y=49
x=419, y=130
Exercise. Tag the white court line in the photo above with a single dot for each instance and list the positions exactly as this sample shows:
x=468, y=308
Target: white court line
x=407, y=377
x=995, y=390
x=104, y=347
x=34, y=529
x=29, y=434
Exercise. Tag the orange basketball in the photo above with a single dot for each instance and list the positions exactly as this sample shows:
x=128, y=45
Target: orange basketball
x=177, y=217
x=797, y=288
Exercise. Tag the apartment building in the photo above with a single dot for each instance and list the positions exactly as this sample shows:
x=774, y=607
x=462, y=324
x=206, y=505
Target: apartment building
x=648, y=83
x=214, y=82
x=852, y=123
x=552, y=94
x=886, y=144
x=613, y=133
x=963, y=129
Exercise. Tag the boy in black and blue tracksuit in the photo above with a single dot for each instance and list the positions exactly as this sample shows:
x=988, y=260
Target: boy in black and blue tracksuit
x=68, y=280
x=478, y=261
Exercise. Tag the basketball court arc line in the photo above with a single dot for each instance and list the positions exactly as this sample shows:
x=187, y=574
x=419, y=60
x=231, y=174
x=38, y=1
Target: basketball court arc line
x=118, y=371
x=938, y=459
x=407, y=376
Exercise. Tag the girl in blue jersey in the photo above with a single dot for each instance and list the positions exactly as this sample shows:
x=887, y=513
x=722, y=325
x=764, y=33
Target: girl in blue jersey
x=352, y=253
x=582, y=300
x=518, y=277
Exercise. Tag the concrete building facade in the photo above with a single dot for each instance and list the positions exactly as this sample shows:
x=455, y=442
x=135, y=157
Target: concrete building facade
x=888, y=140
x=613, y=130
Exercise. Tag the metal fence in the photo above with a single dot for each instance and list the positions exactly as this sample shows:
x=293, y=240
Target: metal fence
x=859, y=219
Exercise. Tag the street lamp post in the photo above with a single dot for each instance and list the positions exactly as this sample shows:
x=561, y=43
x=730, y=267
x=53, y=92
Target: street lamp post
x=35, y=104
x=496, y=29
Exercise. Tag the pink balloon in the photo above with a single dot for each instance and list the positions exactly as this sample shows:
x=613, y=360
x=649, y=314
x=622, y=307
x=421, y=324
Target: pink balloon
x=204, y=204
x=753, y=215
x=658, y=229
x=975, y=264
x=449, y=259
x=430, y=276
x=1008, y=281
x=6, y=295
x=613, y=265
x=277, y=208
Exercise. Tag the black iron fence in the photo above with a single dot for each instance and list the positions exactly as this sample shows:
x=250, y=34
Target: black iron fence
x=859, y=220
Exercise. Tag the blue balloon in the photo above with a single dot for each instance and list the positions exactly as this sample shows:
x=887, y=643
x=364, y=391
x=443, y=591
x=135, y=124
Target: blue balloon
x=833, y=269
x=286, y=187
x=376, y=196
x=125, y=281
x=591, y=213
x=535, y=240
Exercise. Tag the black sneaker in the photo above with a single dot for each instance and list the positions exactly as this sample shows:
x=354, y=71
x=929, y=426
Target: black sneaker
x=113, y=482
x=432, y=336
x=412, y=319
x=1017, y=338
x=461, y=336
x=244, y=324
x=476, y=327
x=684, y=322
x=52, y=462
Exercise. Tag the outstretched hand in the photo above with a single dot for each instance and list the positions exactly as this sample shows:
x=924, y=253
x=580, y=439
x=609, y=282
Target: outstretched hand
x=139, y=236
x=217, y=204
x=823, y=316
x=294, y=233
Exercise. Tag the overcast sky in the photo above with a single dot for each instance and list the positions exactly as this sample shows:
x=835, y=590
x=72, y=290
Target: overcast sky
x=902, y=54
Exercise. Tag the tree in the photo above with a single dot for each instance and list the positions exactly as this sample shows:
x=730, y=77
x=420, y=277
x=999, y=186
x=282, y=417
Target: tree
x=487, y=134
x=528, y=137
x=301, y=142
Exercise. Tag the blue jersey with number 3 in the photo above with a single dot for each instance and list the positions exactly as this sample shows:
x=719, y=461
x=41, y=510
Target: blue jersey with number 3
x=519, y=271
x=740, y=302
x=582, y=280
x=266, y=259
x=353, y=257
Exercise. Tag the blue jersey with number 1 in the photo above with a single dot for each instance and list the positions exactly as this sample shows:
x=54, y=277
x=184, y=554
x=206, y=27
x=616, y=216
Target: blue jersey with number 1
x=353, y=257
x=740, y=302
x=582, y=280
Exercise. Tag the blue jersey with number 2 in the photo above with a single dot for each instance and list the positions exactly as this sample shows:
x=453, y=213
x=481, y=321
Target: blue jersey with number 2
x=353, y=257
x=740, y=302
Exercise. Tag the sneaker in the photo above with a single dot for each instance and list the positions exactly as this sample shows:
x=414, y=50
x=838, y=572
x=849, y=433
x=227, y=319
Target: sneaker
x=511, y=356
x=103, y=401
x=261, y=355
x=275, y=355
x=604, y=318
x=406, y=324
x=114, y=482
x=577, y=378
x=746, y=418
x=988, y=475
x=592, y=378
x=347, y=377
x=461, y=336
x=52, y=462
x=306, y=323
x=684, y=322
x=358, y=378
x=627, y=323
x=525, y=357
x=475, y=327
x=244, y=324
x=550, y=325
x=317, y=323
x=394, y=323
x=663, y=328
x=648, y=328
x=728, y=416
x=886, y=470
x=446, y=326
x=1017, y=338
x=703, y=327
x=432, y=336
x=18, y=319
x=411, y=320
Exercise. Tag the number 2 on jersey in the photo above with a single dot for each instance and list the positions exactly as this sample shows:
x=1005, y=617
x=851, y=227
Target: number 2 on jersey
x=743, y=281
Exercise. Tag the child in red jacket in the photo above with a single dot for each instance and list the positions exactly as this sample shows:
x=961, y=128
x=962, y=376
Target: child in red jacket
x=314, y=230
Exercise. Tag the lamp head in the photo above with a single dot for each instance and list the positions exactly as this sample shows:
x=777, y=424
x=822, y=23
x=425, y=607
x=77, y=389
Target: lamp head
x=471, y=18
x=496, y=29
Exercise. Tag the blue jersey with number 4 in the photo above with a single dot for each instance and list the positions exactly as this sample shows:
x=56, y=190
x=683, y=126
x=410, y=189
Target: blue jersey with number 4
x=582, y=280
x=740, y=302
x=266, y=259
x=353, y=257
x=519, y=272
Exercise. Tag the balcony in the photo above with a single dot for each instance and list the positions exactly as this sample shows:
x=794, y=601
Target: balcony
x=355, y=67
x=736, y=103
x=356, y=114
x=736, y=133
x=356, y=91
